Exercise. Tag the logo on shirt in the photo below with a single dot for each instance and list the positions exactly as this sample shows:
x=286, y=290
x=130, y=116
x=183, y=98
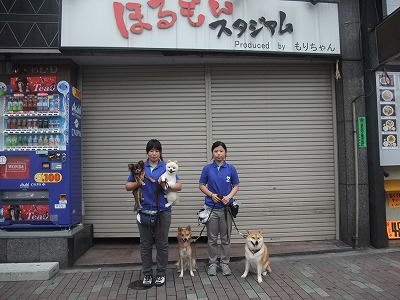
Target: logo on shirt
x=228, y=178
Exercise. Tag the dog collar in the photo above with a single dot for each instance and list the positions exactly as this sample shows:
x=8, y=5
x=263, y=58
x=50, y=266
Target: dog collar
x=254, y=252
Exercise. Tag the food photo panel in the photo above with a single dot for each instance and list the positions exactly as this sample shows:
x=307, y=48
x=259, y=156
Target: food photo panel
x=388, y=110
x=389, y=140
x=387, y=95
x=386, y=80
x=388, y=125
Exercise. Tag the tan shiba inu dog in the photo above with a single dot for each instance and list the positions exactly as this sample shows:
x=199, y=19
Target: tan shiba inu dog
x=186, y=251
x=257, y=256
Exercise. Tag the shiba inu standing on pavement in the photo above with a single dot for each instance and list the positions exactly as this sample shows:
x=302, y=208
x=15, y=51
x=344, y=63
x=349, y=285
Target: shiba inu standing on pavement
x=257, y=256
x=186, y=251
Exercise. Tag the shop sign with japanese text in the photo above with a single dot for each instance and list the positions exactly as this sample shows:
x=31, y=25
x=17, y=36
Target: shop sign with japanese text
x=393, y=229
x=362, y=132
x=239, y=25
x=393, y=199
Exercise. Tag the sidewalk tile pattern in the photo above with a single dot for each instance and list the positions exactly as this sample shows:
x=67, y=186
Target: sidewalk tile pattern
x=353, y=275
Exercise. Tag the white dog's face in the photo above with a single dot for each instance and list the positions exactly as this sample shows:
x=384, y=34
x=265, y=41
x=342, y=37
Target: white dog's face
x=172, y=167
x=255, y=240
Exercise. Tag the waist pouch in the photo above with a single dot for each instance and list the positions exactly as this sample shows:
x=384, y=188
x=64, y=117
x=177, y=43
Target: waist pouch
x=147, y=219
x=234, y=207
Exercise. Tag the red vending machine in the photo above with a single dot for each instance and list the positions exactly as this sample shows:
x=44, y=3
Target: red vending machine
x=40, y=153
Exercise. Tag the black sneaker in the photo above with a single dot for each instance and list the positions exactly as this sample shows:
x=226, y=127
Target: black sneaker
x=147, y=280
x=160, y=280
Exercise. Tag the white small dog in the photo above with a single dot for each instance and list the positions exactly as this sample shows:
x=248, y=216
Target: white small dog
x=168, y=180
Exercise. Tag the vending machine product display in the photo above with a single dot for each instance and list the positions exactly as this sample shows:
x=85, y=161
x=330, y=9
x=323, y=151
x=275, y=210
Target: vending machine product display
x=40, y=154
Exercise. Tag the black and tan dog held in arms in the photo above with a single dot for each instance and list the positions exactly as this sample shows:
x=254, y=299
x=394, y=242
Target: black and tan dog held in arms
x=138, y=174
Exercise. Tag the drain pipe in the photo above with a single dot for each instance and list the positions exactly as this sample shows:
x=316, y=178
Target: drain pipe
x=355, y=170
x=353, y=102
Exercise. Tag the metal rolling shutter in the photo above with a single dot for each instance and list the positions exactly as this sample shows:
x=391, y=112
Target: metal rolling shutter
x=277, y=122
x=123, y=109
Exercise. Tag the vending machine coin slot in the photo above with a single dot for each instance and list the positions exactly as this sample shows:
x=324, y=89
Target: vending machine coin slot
x=64, y=157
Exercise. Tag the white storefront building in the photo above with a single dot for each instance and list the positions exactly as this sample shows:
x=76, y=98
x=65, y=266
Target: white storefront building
x=258, y=75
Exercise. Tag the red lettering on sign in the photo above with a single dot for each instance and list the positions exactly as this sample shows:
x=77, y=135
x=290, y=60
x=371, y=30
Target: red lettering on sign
x=119, y=18
x=136, y=14
x=187, y=11
x=214, y=6
x=163, y=24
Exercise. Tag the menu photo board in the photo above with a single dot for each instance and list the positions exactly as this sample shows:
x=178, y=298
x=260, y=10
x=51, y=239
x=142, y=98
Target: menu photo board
x=388, y=97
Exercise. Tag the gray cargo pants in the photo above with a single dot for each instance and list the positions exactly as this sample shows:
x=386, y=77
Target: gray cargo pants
x=157, y=235
x=219, y=223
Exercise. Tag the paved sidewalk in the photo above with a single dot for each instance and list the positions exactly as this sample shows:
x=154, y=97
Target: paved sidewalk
x=127, y=252
x=362, y=274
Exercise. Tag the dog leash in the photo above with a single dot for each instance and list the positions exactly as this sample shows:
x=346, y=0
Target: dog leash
x=156, y=196
x=244, y=235
x=200, y=232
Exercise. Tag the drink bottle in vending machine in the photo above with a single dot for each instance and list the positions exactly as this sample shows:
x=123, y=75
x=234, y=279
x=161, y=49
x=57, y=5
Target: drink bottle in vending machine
x=40, y=157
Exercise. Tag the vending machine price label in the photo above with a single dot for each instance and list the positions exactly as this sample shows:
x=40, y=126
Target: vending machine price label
x=48, y=177
x=60, y=206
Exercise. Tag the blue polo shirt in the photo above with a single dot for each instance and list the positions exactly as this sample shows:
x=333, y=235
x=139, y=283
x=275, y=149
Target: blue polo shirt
x=149, y=190
x=219, y=181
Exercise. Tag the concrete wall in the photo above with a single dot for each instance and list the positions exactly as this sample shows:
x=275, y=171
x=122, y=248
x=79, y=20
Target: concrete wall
x=351, y=88
x=45, y=246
